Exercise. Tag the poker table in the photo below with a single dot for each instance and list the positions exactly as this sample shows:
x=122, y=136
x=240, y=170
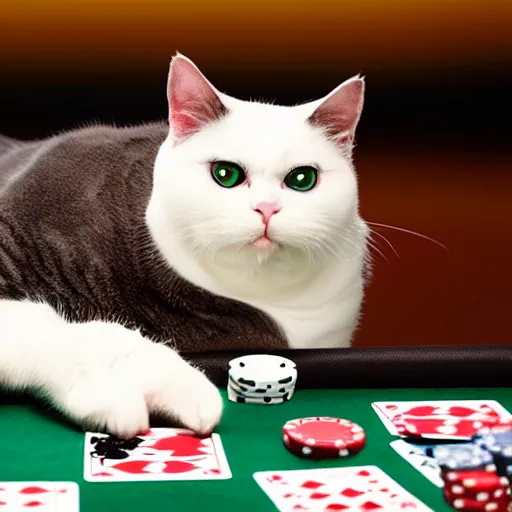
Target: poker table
x=38, y=445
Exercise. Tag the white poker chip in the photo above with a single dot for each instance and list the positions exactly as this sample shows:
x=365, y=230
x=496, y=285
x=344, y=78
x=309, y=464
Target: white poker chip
x=285, y=393
x=261, y=379
x=233, y=396
x=268, y=390
x=261, y=370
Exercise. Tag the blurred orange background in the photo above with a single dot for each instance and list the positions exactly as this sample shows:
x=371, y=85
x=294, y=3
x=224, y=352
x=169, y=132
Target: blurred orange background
x=434, y=152
x=359, y=33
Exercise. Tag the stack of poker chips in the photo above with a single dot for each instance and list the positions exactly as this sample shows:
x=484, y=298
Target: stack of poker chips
x=477, y=474
x=261, y=379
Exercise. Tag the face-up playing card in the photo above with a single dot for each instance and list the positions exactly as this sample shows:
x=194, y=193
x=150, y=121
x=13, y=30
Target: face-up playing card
x=160, y=454
x=353, y=488
x=441, y=419
x=40, y=496
x=416, y=455
x=387, y=423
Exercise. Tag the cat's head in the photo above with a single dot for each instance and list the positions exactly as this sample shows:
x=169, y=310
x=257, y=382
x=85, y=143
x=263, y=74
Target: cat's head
x=239, y=177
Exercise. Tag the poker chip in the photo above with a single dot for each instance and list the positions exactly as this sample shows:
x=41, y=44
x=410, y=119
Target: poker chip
x=459, y=476
x=233, y=396
x=503, y=463
x=261, y=379
x=497, y=441
x=261, y=370
x=457, y=491
x=499, y=445
x=474, y=505
x=261, y=392
x=323, y=437
x=462, y=456
x=480, y=480
x=471, y=483
x=460, y=498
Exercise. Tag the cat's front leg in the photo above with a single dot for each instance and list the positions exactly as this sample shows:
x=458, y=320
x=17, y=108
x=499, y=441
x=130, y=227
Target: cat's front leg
x=101, y=375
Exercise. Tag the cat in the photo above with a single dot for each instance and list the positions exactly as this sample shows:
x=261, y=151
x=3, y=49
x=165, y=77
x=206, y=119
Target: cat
x=233, y=224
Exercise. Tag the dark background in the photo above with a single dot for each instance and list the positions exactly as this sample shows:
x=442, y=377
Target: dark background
x=434, y=152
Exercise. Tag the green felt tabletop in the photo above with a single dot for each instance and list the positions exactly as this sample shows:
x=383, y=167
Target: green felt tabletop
x=38, y=446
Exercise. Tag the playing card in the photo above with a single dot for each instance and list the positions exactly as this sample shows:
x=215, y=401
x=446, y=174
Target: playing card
x=416, y=455
x=40, y=496
x=352, y=488
x=441, y=419
x=160, y=454
x=387, y=423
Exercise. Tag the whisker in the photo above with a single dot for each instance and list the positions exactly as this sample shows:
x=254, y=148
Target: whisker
x=376, y=249
x=310, y=255
x=326, y=249
x=411, y=233
x=387, y=241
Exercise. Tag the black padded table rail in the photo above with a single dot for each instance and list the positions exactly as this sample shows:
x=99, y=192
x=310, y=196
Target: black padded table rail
x=393, y=367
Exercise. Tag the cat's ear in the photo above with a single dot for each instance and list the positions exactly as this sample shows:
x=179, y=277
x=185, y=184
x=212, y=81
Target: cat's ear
x=339, y=112
x=193, y=101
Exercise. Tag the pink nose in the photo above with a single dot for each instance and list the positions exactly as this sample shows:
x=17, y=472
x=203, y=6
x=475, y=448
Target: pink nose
x=266, y=210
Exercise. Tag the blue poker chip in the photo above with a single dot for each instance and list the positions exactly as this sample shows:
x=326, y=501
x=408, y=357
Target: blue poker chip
x=503, y=461
x=497, y=441
x=499, y=445
x=494, y=435
x=499, y=438
x=457, y=457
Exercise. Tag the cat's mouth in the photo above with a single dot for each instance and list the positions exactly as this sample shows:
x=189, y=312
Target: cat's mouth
x=263, y=243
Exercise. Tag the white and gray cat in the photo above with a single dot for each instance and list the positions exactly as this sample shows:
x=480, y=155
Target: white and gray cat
x=234, y=225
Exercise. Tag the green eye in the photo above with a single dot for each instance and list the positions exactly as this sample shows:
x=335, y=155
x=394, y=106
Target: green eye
x=302, y=179
x=227, y=174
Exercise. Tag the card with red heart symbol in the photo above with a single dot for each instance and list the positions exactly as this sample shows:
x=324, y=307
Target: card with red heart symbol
x=441, y=419
x=159, y=454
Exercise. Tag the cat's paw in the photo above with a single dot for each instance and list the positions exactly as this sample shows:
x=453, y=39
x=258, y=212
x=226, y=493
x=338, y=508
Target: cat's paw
x=134, y=378
x=107, y=402
x=195, y=402
x=177, y=390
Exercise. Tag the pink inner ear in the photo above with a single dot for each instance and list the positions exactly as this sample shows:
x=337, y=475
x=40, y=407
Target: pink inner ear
x=339, y=113
x=193, y=102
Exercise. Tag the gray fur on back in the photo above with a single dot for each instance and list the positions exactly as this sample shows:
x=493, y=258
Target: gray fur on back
x=72, y=234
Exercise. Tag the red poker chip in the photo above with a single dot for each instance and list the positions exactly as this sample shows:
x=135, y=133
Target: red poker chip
x=484, y=477
x=476, y=481
x=456, y=491
x=474, y=505
x=323, y=437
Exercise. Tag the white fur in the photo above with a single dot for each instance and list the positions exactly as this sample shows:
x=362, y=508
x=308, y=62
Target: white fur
x=104, y=376
x=101, y=375
x=312, y=284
